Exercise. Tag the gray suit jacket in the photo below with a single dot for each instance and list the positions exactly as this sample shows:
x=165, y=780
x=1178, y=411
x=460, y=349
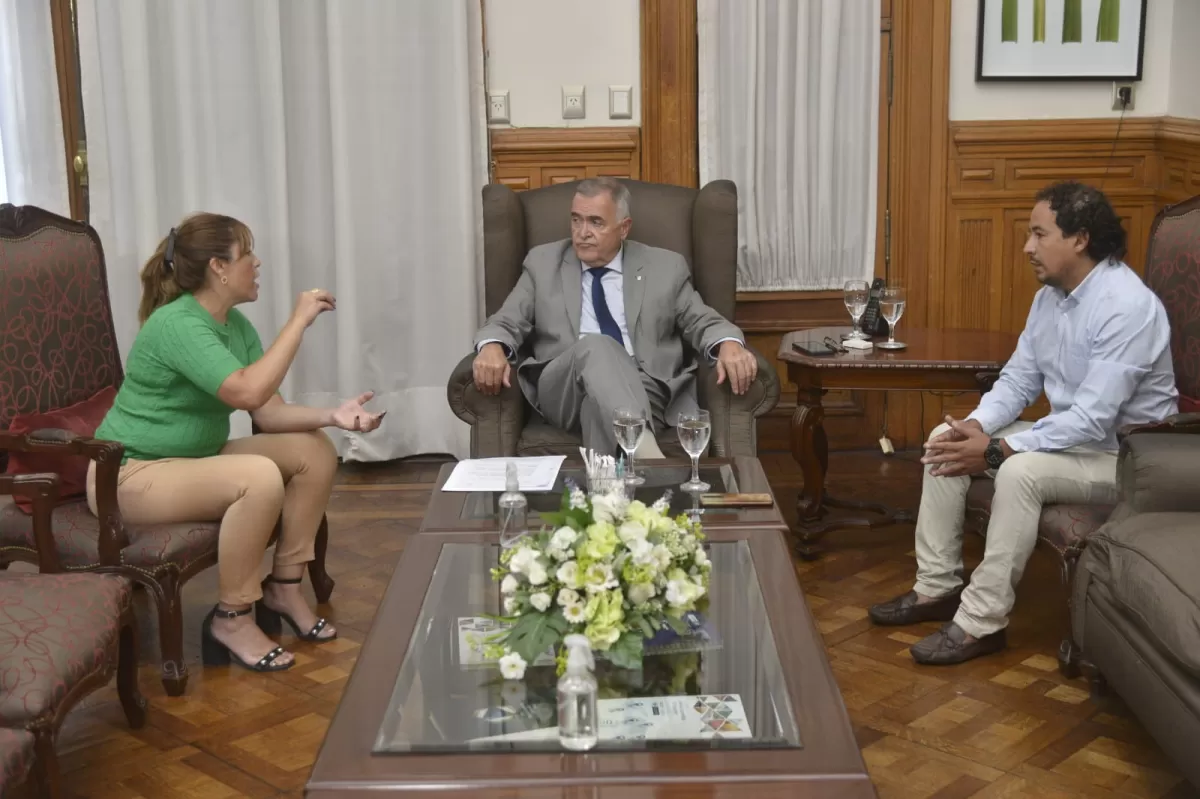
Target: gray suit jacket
x=540, y=319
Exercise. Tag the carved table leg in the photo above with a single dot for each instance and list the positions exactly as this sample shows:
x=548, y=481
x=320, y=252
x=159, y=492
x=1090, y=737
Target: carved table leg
x=810, y=448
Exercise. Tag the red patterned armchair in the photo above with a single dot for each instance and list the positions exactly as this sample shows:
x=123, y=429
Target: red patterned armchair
x=59, y=369
x=1173, y=273
x=61, y=637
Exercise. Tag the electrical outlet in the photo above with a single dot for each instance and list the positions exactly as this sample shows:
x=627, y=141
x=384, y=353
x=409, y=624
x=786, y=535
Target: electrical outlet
x=497, y=108
x=573, y=102
x=620, y=102
x=1122, y=97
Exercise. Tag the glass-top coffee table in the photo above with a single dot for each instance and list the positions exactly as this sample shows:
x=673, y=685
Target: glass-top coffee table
x=471, y=511
x=755, y=709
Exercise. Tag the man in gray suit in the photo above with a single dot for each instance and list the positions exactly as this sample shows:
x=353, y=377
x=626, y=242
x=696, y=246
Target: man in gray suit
x=605, y=320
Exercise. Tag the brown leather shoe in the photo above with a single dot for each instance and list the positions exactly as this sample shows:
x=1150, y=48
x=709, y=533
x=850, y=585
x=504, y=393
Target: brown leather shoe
x=949, y=645
x=905, y=610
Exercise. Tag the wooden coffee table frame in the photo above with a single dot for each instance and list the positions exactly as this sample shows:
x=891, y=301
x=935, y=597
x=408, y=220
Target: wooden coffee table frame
x=445, y=508
x=828, y=766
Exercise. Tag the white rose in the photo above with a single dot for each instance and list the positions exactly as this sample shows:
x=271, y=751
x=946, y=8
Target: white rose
x=642, y=552
x=599, y=577
x=540, y=600
x=608, y=508
x=641, y=592
x=574, y=613
x=536, y=573
x=632, y=531
x=701, y=557
x=681, y=593
x=522, y=560
x=508, y=585
x=568, y=597
x=512, y=666
x=662, y=556
x=563, y=538
x=568, y=574
x=510, y=605
x=578, y=499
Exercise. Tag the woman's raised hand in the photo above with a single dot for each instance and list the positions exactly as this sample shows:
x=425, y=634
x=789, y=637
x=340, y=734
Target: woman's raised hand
x=351, y=415
x=312, y=304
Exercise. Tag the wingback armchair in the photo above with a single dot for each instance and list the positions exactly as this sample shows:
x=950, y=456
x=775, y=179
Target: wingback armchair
x=699, y=224
x=59, y=361
x=1172, y=273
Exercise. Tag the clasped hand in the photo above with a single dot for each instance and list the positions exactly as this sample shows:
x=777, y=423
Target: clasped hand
x=351, y=415
x=959, y=451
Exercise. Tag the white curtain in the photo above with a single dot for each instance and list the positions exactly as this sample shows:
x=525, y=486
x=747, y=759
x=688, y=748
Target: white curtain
x=349, y=135
x=788, y=110
x=33, y=166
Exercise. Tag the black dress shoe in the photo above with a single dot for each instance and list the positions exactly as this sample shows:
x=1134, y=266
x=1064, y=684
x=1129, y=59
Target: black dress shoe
x=905, y=610
x=949, y=645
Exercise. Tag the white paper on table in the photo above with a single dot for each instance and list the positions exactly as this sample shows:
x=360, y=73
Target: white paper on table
x=488, y=474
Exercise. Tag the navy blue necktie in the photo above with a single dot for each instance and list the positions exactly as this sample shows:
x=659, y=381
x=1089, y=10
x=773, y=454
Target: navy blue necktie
x=608, y=325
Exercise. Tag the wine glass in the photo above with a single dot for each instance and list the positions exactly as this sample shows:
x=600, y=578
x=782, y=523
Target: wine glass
x=695, y=428
x=855, y=294
x=629, y=424
x=891, y=307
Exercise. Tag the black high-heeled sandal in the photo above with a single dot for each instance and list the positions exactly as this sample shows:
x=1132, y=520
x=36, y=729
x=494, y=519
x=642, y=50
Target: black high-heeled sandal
x=215, y=653
x=271, y=620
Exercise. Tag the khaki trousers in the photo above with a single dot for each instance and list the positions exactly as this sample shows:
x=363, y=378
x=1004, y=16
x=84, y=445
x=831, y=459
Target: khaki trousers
x=247, y=487
x=1024, y=483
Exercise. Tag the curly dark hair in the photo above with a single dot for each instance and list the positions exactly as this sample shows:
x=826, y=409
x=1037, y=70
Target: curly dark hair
x=1079, y=208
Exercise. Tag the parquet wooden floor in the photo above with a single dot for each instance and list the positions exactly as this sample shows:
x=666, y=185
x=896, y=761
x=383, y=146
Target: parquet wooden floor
x=1003, y=726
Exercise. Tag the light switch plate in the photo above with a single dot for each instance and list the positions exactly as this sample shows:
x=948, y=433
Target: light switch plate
x=620, y=102
x=573, y=102
x=497, y=108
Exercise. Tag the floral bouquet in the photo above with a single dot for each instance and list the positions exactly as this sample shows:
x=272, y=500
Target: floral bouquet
x=614, y=570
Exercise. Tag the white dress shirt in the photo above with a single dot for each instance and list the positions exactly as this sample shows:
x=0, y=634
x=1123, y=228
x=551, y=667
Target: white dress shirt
x=1103, y=356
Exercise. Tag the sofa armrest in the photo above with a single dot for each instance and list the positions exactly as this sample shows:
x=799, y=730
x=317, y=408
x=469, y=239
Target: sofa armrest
x=734, y=430
x=1157, y=473
x=43, y=490
x=107, y=456
x=1179, y=423
x=496, y=421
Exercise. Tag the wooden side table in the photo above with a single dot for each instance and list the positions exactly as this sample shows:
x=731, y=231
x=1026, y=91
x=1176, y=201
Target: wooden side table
x=935, y=360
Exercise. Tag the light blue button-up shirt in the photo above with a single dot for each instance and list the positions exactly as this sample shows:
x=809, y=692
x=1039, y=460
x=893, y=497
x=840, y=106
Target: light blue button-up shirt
x=1102, y=354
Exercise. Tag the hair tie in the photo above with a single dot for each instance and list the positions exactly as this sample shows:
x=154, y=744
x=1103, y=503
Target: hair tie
x=169, y=256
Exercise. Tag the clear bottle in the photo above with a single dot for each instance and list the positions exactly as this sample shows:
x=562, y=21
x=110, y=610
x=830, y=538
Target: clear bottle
x=513, y=508
x=577, y=687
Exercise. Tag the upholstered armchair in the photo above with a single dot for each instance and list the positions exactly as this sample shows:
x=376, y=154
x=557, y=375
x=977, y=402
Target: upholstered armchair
x=1173, y=273
x=700, y=225
x=59, y=371
x=62, y=636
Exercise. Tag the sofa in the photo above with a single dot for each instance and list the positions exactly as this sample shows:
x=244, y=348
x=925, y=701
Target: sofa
x=1135, y=610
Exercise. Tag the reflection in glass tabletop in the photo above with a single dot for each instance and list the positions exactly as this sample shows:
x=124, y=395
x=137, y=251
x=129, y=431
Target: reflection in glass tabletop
x=659, y=479
x=728, y=693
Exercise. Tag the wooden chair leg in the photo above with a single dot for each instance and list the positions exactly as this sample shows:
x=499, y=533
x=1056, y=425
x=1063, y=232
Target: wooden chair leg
x=132, y=701
x=46, y=773
x=322, y=583
x=170, y=635
x=1068, y=650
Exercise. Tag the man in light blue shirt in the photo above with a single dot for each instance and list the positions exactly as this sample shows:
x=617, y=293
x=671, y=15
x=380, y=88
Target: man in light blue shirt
x=1097, y=342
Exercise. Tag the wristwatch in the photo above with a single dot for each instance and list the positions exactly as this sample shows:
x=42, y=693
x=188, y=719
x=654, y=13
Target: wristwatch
x=994, y=454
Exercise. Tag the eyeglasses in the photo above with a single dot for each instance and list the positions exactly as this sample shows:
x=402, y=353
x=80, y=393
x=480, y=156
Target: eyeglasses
x=836, y=346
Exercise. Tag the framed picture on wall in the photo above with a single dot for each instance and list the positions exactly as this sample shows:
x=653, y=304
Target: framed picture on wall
x=1060, y=40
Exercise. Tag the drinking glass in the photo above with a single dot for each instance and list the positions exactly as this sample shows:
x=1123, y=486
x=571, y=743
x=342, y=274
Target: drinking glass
x=891, y=307
x=855, y=294
x=629, y=424
x=695, y=428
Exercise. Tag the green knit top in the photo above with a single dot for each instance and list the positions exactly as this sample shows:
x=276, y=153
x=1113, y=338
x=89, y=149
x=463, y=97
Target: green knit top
x=168, y=407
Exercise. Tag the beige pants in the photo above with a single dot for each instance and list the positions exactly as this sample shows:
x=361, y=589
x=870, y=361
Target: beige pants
x=248, y=486
x=1024, y=483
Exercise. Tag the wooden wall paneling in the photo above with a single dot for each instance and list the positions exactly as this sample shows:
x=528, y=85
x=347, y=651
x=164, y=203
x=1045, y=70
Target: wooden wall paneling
x=670, y=145
x=529, y=158
x=1179, y=147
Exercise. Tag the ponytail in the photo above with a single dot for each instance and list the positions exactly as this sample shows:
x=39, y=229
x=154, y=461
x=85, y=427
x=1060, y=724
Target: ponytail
x=159, y=286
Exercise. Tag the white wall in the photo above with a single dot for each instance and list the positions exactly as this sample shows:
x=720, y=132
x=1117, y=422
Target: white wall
x=537, y=46
x=1184, y=99
x=1161, y=79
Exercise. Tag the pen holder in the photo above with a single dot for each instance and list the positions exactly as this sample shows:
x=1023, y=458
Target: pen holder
x=604, y=473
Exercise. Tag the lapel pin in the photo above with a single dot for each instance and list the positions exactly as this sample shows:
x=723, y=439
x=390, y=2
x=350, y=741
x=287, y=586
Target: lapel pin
x=639, y=277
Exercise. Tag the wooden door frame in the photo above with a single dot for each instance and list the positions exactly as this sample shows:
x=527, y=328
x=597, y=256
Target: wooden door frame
x=66, y=58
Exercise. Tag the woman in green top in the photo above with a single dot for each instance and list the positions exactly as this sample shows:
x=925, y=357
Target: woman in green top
x=195, y=360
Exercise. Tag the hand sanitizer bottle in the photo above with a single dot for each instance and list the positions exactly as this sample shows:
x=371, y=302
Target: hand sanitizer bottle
x=514, y=508
x=577, y=728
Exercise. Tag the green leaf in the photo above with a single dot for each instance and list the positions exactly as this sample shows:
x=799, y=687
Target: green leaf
x=534, y=633
x=555, y=519
x=643, y=625
x=626, y=653
x=678, y=625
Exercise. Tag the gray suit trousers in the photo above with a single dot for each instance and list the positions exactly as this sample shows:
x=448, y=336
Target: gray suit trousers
x=581, y=390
